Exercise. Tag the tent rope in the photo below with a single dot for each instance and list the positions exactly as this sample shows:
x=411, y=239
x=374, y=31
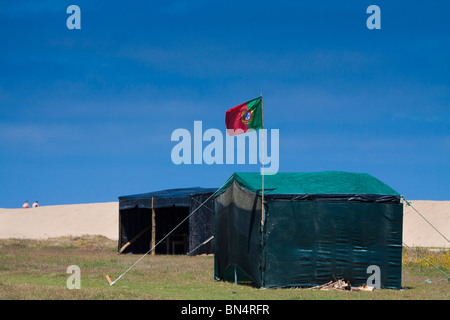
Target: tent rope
x=448, y=276
x=410, y=205
x=134, y=264
x=205, y=206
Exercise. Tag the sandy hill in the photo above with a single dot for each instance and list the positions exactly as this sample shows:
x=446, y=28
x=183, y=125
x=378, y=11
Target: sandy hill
x=103, y=219
x=416, y=230
x=62, y=220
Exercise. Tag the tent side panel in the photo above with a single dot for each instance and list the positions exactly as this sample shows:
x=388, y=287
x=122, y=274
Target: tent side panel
x=201, y=224
x=126, y=226
x=237, y=234
x=132, y=222
x=310, y=243
x=290, y=253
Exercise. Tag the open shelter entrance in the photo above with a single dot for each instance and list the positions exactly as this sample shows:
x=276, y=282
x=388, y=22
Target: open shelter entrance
x=150, y=219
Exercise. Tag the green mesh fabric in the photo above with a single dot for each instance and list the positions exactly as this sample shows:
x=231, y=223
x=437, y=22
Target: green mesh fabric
x=326, y=182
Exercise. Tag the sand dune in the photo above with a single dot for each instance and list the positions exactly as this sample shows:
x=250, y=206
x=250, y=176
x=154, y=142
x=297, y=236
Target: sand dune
x=103, y=219
x=417, y=232
x=62, y=220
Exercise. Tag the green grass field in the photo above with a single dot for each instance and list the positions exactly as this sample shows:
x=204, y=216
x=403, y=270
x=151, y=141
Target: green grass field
x=37, y=270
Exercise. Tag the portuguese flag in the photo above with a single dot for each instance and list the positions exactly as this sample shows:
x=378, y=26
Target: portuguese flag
x=245, y=116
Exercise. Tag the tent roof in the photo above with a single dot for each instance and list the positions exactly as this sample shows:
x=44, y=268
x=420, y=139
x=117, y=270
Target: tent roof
x=169, y=193
x=164, y=198
x=326, y=182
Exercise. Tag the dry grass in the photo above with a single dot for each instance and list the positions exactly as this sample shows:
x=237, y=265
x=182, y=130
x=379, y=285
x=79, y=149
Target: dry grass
x=36, y=270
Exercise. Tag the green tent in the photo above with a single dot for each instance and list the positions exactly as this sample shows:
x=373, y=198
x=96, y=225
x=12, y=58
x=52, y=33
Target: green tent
x=317, y=227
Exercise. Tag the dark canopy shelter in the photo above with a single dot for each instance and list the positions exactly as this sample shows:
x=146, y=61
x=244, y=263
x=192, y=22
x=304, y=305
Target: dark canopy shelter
x=318, y=227
x=143, y=217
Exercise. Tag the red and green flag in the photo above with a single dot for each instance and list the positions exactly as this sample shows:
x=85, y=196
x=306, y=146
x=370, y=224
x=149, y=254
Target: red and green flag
x=244, y=117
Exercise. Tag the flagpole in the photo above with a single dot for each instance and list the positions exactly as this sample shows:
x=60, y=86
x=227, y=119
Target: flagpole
x=262, y=194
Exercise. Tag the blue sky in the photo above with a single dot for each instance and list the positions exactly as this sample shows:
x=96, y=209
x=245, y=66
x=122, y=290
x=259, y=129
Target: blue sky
x=87, y=115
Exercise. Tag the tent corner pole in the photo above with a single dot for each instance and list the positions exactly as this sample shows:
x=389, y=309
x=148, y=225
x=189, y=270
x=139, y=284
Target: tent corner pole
x=153, y=230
